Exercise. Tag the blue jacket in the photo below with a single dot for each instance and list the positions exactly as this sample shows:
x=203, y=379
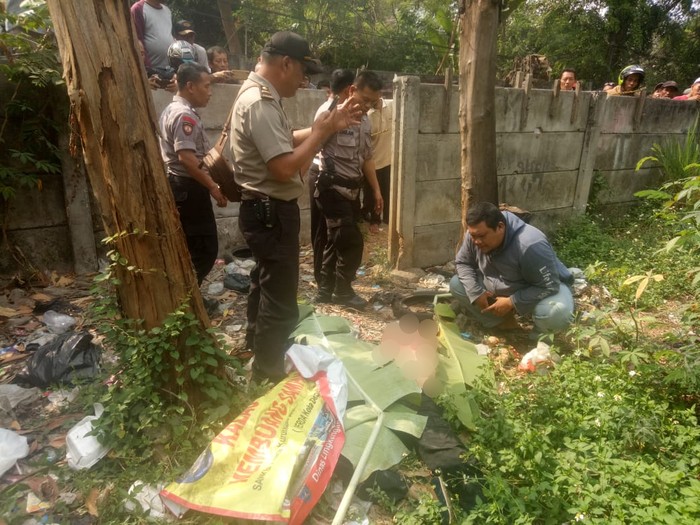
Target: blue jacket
x=524, y=268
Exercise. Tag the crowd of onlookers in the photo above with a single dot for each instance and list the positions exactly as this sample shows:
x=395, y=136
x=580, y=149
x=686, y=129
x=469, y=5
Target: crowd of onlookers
x=630, y=83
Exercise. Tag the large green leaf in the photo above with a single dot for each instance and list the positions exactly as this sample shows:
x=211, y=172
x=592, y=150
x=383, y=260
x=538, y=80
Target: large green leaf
x=459, y=365
x=385, y=387
x=388, y=450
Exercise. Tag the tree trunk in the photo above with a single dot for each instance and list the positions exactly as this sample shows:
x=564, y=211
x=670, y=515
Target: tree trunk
x=477, y=84
x=111, y=99
x=232, y=41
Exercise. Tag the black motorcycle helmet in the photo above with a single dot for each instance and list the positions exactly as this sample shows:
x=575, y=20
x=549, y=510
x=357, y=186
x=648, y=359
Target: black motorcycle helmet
x=631, y=70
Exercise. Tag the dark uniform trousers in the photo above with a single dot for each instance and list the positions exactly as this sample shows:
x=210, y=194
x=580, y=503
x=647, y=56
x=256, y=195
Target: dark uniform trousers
x=318, y=225
x=342, y=254
x=197, y=218
x=272, y=302
x=368, y=213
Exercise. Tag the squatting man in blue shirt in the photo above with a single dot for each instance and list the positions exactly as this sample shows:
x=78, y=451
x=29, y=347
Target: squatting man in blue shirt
x=506, y=266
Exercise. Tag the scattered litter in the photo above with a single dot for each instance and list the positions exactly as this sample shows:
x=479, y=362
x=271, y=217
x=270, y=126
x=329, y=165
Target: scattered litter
x=483, y=349
x=58, y=323
x=237, y=282
x=215, y=289
x=434, y=281
x=36, y=504
x=66, y=358
x=376, y=287
x=13, y=395
x=61, y=398
x=148, y=497
x=239, y=266
x=234, y=328
x=84, y=450
x=466, y=336
x=12, y=447
x=540, y=354
x=12, y=349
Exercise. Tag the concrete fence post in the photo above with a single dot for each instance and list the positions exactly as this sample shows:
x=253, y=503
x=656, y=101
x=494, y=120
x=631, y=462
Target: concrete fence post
x=404, y=170
x=588, y=152
x=76, y=195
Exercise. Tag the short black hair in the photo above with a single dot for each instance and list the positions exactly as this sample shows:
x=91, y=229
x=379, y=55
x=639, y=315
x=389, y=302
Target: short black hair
x=485, y=212
x=323, y=83
x=368, y=79
x=341, y=79
x=568, y=70
x=189, y=72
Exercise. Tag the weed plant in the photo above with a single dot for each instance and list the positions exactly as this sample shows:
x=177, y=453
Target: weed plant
x=591, y=441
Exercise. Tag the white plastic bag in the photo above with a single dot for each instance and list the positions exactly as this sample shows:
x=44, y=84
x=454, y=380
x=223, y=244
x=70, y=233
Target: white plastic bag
x=83, y=450
x=12, y=447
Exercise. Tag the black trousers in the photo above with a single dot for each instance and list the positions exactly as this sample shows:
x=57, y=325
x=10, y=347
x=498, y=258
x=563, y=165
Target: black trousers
x=272, y=301
x=318, y=226
x=198, y=223
x=342, y=254
x=384, y=179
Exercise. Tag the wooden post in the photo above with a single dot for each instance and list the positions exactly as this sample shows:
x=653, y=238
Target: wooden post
x=477, y=111
x=404, y=170
x=111, y=99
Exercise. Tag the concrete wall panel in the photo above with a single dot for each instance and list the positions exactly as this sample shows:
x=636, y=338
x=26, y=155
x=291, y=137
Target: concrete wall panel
x=437, y=201
x=621, y=185
x=519, y=153
x=34, y=208
x=623, y=151
x=539, y=191
x=438, y=243
x=657, y=115
x=439, y=156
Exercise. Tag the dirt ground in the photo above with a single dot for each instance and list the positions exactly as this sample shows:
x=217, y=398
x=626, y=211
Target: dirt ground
x=46, y=419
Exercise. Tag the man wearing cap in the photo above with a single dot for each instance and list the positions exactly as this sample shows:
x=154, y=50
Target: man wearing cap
x=184, y=30
x=153, y=23
x=667, y=89
x=183, y=144
x=268, y=158
x=694, y=92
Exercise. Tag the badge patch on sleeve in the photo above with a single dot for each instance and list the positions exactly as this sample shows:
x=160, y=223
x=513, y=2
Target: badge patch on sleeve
x=188, y=124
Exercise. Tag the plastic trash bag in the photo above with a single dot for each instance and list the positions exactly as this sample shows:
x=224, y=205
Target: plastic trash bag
x=58, y=323
x=13, y=395
x=12, y=447
x=82, y=449
x=237, y=282
x=66, y=358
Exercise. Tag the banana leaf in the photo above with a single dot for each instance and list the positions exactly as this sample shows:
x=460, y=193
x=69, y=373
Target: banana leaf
x=385, y=387
x=459, y=365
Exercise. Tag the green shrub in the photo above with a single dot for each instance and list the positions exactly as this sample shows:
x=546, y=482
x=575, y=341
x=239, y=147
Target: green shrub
x=590, y=441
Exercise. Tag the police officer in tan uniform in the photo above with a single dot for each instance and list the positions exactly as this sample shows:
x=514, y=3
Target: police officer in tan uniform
x=183, y=144
x=345, y=162
x=268, y=158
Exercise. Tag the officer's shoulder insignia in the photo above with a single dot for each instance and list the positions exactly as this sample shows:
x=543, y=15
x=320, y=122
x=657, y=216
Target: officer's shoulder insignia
x=265, y=93
x=188, y=124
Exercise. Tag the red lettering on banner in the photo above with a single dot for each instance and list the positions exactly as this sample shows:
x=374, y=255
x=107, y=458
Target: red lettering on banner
x=229, y=435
